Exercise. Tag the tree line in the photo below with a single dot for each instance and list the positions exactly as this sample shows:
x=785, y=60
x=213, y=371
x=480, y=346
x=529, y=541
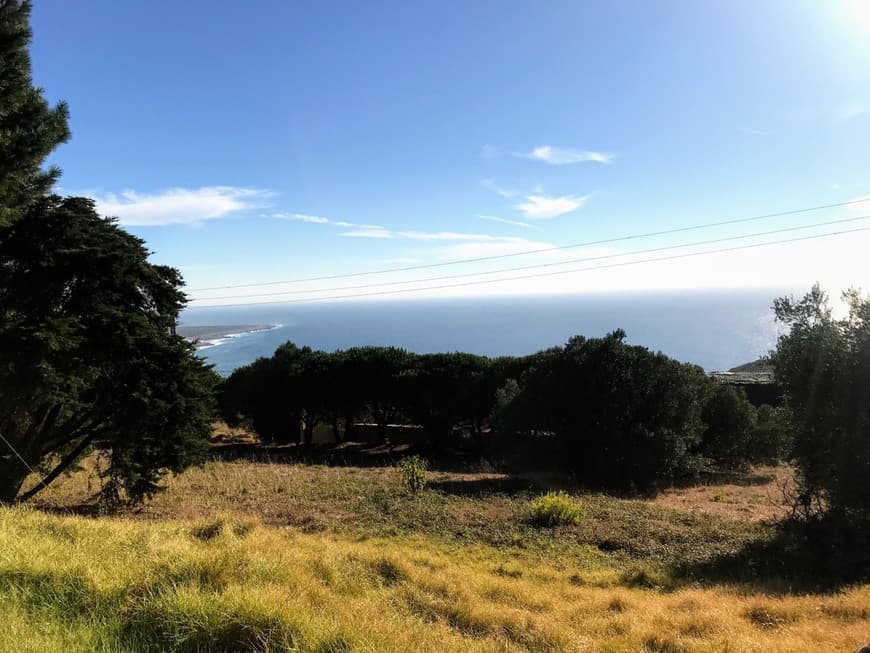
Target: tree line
x=615, y=413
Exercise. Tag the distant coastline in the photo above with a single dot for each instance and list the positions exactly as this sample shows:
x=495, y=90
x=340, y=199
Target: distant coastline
x=204, y=337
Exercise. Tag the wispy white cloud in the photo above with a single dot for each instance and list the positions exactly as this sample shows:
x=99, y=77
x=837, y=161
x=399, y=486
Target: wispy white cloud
x=302, y=217
x=544, y=207
x=565, y=155
x=178, y=205
x=549, y=154
x=318, y=219
x=495, y=218
x=504, y=192
x=359, y=230
x=369, y=232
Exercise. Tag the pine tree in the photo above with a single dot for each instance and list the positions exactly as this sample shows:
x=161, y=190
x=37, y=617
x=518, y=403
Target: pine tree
x=29, y=128
x=88, y=356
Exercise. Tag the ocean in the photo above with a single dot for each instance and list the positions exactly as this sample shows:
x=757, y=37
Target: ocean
x=715, y=329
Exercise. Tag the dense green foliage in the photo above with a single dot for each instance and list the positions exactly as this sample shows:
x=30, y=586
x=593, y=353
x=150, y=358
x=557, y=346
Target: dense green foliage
x=624, y=415
x=29, y=128
x=608, y=412
x=731, y=426
x=88, y=355
x=823, y=365
x=286, y=395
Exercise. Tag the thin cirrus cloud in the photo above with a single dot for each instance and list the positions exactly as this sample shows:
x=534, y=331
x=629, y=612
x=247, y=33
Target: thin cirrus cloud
x=494, y=187
x=319, y=219
x=495, y=218
x=179, y=205
x=550, y=154
x=558, y=156
x=357, y=230
x=544, y=207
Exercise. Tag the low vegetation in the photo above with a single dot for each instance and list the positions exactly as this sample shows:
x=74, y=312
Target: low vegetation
x=182, y=577
x=414, y=475
x=556, y=509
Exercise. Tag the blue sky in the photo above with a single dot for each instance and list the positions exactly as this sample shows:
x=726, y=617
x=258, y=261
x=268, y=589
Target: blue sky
x=274, y=140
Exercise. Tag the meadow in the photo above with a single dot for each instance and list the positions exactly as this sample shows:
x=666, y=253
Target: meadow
x=243, y=556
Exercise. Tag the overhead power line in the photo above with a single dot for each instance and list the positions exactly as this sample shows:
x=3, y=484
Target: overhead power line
x=21, y=458
x=494, y=257
x=537, y=265
x=558, y=272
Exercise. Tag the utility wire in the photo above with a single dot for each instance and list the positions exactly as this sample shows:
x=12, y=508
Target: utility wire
x=545, y=249
x=537, y=265
x=21, y=458
x=557, y=272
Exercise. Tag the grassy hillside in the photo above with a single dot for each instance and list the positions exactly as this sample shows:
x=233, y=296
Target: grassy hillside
x=272, y=557
x=482, y=507
x=75, y=584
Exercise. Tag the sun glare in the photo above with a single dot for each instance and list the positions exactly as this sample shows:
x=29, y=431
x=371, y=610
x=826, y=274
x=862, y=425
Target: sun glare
x=858, y=13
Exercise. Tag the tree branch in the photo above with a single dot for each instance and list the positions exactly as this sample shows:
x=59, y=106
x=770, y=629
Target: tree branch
x=67, y=460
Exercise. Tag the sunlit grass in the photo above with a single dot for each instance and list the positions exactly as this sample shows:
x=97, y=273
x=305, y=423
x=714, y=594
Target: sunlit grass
x=74, y=584
x=468, y=507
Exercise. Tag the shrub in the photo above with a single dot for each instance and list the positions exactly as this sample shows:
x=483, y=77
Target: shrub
x=413, y=471
x=556, y=509
x=623, y=416
x=730, y=426
x=773, y=439
x=823, y=366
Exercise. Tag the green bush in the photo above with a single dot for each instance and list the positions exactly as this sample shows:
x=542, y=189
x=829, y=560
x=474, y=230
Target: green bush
x=556, y=509
x=823, y=367
x=622, y=415
x=413, y=471
x=728, y=439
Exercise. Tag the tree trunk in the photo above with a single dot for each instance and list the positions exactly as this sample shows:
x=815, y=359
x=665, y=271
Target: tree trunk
x=12, y=476
x=336, y=431
x=308, y=424
x=65, y=462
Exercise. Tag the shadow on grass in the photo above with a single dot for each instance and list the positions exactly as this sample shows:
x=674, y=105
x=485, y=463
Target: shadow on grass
x=348, y=454
x=821, y=556
x=739, y=478
x=509, y=485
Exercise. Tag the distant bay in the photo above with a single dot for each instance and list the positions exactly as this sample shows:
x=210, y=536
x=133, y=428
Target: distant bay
x=716, y=329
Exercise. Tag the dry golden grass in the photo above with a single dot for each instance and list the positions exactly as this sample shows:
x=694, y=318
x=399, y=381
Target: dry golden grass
x=74, y=584
x=243, y=556
x=487, y=508
x=756, y=496
x=223, y=433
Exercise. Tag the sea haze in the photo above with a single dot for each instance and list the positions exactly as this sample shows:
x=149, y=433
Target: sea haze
x=715, y=329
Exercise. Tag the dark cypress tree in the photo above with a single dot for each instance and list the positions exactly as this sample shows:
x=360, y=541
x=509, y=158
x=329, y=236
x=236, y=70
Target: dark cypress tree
x=29, y=128
x=88, y=357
